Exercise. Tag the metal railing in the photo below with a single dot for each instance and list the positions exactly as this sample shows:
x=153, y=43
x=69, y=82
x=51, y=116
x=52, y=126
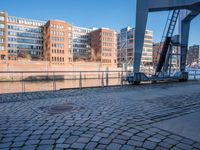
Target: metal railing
x=31, y=81
x=194, y=74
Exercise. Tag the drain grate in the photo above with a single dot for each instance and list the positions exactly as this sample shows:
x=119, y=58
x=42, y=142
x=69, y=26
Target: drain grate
x=60, y=108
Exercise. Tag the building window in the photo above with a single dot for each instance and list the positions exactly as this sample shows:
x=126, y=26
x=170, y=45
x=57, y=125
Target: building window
x=2, y=40
x=2, y=33
x=3, y=57
x=2, y=18
x=2, y=48
x=2, y=26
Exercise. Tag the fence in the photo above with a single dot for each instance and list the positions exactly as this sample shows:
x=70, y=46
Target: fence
x=194, y=74
x=31, y=81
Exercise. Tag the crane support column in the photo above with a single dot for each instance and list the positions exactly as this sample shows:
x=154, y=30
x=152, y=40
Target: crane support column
x=141, y=17
x=143, y=8
x=185, y=29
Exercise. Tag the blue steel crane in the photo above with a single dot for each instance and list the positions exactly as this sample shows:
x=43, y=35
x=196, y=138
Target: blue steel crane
x=143, y=8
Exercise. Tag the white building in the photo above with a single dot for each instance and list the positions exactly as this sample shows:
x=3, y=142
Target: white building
x=81, y=43
x=25, y=35
x=126, y=42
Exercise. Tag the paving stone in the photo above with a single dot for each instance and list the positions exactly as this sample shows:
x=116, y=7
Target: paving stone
x=184, y=146
x=165, y=133
x=196, y=145
x=135, y=143
x=19, y=139
x=101, y=146
x=78, y=145
x=176, y=148
x=6, y=140
x=119, y=141
x=127, y=147
x=166, y=145
x=96, y=139
x=149, y=145
x=108, y=130
x=195, y=149
x=129, y=134
x=83, y=140
x=32, y=142
x=178, y=138
x=102, y=134
x=170, y=141
x=160, y=148
x=123, y=137
x=153, y=139
x=71, y=139
x=140, y=148
x=34, y=137
x=105, y=141
x=47, y=142
x=159, y=136
x=5, y=145
x=63, y=146
x=187, y=141
x=138, y=138
x=60, y=140
x=45, y=136
x=45, y=147
x=144, y=135
x=17, y=144
x=91, y=145
x=134, y=131
x=29, y=147
x=55, y=136
x=114, y=146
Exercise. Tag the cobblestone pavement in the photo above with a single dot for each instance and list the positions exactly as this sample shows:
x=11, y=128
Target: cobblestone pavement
x=109, y=118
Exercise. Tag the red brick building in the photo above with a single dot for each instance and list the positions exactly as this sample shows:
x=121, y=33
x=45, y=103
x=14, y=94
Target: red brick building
x=57, y=49
x=104, y=46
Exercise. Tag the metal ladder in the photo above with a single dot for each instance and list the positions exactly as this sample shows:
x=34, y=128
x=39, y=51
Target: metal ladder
x=167, y=40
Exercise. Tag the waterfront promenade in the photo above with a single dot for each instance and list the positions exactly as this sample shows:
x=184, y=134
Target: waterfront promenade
x=159, y=116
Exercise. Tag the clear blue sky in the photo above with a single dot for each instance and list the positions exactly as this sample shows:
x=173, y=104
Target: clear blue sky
x=114, y=14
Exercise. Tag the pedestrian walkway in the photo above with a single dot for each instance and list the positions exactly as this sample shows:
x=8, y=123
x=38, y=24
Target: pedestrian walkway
x=126, y=118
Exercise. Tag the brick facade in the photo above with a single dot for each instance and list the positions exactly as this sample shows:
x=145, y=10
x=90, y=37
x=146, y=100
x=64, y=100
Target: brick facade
x=103, y=46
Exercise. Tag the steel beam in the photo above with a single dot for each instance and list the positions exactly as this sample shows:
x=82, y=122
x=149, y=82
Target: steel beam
x=145, y=6
x=141, y=17
x=185, y=29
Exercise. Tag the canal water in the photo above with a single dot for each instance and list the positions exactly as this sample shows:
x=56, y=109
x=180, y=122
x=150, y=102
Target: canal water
x=33, y=86
x=28, y=86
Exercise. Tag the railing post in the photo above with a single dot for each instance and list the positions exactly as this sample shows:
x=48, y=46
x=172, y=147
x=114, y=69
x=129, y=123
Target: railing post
x=22, y=82
x=80, y=81
x=99, y=75
x=54, y=82
x=102, y=80
x=195, y=73
x=107, y=78
x=122, y=78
